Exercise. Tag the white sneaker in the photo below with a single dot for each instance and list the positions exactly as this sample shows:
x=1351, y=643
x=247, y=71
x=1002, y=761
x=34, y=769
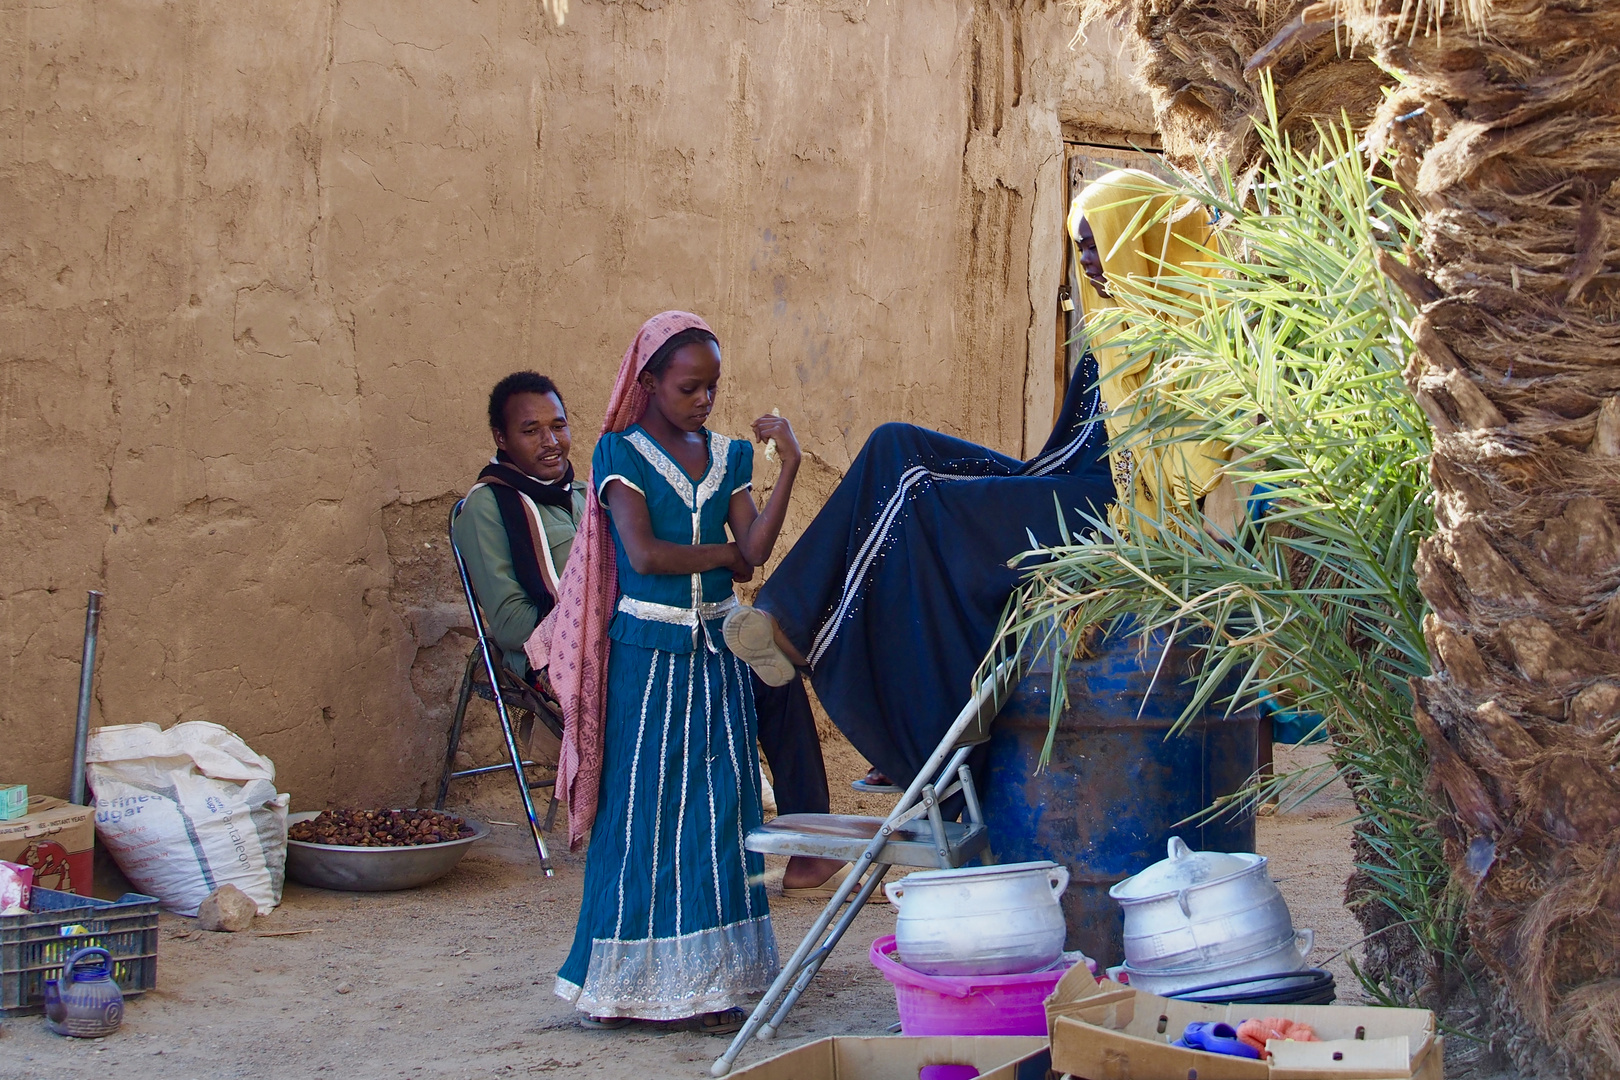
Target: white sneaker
x=751, y=635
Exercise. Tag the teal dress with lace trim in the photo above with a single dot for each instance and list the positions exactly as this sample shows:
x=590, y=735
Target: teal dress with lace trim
x=674, y=920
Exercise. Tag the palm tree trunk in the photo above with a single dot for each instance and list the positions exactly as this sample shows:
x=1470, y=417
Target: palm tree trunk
x=1509, y=118
x=1510, y=124
x=1195, y=53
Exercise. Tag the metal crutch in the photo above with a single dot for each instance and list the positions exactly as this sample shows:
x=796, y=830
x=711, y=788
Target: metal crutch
x=87, y=672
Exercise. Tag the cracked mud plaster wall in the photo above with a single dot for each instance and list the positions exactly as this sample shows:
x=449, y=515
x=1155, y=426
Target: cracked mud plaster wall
x=262, y=261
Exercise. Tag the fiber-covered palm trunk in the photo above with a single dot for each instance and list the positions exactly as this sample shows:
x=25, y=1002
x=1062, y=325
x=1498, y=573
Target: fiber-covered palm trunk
x=1194, y=54
x=1514, y=157
x=1510, y=118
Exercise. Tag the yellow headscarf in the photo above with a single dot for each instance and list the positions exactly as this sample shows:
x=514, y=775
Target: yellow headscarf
x=1142, y=226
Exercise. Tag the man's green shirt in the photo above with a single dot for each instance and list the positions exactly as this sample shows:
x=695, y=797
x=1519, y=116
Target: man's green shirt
x=481, y=538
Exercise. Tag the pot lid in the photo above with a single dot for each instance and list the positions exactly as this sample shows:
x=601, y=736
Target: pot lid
x=976, y=873
x=1183, y=869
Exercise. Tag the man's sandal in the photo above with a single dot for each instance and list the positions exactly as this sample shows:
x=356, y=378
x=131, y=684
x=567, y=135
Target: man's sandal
x=751, y=636
x=875, y=783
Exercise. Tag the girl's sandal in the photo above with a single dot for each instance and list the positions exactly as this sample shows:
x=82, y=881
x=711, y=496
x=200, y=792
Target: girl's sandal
x=724, y=1022
x=604, y=1023
x=751, y=636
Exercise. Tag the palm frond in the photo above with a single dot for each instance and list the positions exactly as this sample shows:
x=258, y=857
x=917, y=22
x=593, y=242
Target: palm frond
x=1292, y=355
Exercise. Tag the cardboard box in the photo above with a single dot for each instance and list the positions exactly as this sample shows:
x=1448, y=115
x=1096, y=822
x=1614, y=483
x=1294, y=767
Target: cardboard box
x=57, y=839
x=1107, y=1031
x=897, y=1057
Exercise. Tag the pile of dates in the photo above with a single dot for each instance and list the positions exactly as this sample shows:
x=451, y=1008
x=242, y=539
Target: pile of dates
x=379, y=828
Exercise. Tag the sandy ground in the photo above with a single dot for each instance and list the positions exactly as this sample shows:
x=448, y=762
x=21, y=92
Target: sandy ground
x=1308, y=848
x=455, y=979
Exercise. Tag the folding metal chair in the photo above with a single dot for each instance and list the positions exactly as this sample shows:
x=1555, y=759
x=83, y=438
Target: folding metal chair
x=914, y=834
x=509, y=694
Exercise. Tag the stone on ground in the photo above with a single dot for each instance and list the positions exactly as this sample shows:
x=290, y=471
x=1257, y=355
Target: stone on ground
x=227, y=908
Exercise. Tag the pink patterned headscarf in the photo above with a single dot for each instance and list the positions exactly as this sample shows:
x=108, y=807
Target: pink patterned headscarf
x=572, y=640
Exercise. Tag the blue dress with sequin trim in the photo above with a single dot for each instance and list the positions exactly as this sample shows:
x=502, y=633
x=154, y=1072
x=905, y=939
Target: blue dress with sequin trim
x=894, y=592
x=674, y=921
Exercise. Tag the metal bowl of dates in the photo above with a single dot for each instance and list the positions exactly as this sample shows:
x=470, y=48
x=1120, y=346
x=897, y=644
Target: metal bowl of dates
x=350, y=868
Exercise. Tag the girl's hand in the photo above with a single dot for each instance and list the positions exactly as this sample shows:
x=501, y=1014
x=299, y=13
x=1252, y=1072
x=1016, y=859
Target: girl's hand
x=771, y=427
x=741, y=569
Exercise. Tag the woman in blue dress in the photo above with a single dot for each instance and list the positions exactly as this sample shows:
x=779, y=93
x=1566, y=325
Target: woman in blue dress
x=674, y=922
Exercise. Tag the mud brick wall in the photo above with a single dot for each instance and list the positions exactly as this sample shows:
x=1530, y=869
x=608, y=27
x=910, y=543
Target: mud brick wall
x=261, y=262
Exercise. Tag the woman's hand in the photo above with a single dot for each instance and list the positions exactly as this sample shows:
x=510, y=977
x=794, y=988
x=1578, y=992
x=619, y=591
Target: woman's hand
x=771, y=427
x=741, y=569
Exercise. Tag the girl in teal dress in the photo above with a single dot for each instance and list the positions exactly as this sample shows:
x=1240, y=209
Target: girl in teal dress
x=674, y=922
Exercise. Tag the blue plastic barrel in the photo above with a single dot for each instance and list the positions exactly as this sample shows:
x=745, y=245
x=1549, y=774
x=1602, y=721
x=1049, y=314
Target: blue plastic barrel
x=1109, y=800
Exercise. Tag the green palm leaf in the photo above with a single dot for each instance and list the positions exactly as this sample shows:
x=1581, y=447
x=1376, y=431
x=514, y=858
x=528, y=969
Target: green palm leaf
x=1292, y=355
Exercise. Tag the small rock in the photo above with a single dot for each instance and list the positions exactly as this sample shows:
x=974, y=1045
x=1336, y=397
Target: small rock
x=344, y=988
x=227, y=908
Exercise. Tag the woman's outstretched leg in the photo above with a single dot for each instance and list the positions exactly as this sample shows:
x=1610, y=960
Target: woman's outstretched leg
x=823, y=574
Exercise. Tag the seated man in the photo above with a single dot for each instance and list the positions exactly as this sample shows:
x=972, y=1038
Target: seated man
x=518, y=524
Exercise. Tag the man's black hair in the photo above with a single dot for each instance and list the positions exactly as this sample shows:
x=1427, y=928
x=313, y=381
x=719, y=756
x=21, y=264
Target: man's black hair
x=519, y=382
x=659, y=360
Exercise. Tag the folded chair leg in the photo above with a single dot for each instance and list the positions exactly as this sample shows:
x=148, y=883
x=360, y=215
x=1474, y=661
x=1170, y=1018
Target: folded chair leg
x=463, y=696
x=801, y=956
x=818, y=943
x=970, y=795
x=936, y=822
x=488, y=653
x=817, y=958
x=526, y=735
x=523, y=785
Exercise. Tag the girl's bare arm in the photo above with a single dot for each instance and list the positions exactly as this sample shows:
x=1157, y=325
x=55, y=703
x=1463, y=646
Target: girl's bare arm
x=756, y=530
x=650, y=555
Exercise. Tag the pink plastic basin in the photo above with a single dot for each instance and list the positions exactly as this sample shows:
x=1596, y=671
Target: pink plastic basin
x=966, y=1004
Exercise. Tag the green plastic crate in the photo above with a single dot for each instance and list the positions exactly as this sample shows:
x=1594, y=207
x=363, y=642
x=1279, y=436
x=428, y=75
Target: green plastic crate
x=32, y=948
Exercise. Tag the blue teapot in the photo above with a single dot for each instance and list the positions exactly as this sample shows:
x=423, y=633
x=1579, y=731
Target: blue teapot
x=84, y=1002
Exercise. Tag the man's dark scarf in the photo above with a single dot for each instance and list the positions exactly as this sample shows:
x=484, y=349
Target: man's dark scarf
x=506, y=481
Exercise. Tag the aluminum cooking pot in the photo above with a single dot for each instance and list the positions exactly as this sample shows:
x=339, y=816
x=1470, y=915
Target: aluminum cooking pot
x=1201, y=910
x=980, y=920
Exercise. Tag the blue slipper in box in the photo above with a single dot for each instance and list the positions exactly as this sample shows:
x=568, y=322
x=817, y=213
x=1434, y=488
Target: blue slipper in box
x=1216, y=1038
